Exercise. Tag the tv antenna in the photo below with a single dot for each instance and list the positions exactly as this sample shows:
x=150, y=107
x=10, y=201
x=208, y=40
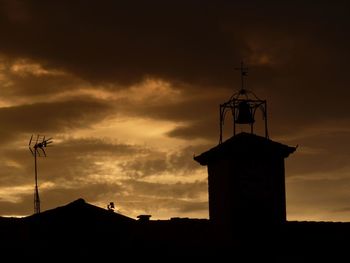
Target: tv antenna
x=37, y=149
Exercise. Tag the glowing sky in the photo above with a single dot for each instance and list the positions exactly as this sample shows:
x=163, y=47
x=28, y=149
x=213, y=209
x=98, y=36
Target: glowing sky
x=130, y=92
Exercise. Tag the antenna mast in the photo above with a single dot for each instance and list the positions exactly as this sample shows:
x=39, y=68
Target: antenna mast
x=34, y=148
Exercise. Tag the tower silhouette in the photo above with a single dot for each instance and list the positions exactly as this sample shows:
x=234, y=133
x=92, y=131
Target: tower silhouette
x=246, y=172
x=246, y=180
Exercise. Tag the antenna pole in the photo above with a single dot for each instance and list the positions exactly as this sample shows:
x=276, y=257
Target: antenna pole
x=36, y=190
x=34, y=148
x=265, y=116
x=221, y=120
x=242, y=74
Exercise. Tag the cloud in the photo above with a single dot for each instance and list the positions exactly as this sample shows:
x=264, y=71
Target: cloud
x=137, y=41
x=132, y=42
x=24, y=207
x=95, y=170
x=56, y=196
x=191, y=207
x=343, y=209
x=184, y=191
x=124, y=42
x=93, y=75
x=95, y=146
x=51, y=117
x=321, y=150
x=27, y=79
x=199, y=129
x=179, y=163
x=131, y=198
x=322, y=199
x=69, y=162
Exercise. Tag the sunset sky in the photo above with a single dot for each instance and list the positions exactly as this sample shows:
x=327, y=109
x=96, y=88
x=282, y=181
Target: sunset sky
x=130, y=90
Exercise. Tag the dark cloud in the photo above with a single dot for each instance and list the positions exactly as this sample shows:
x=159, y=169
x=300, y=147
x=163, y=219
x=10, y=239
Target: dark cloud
x=194, y=207
x=128, y=195
x=98, y=147
x=141, y=167
x=52, y=117
x=65, y=175
x=192, y=41
x=68, y=163
x=177, y=190
x=343, y=209
x=319, y=199
x=46, y=86
x=199, y=129
x=119, y=41
x=155, y=163
x=74, y=160
x=19, y=208
x=191, y=109
x=57, y=196
x=183, y=159
x=325, y=152
x=291, y=47
x=11, y=175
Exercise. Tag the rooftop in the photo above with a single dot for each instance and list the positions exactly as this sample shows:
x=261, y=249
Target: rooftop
x=243, y=144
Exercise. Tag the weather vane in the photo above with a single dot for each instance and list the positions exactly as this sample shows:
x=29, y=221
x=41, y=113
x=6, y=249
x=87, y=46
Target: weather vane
x=244, y=72
x=243, y=105
x=36, y=148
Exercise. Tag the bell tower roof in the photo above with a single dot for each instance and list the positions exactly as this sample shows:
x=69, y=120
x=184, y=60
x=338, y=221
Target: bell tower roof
x=245, y=144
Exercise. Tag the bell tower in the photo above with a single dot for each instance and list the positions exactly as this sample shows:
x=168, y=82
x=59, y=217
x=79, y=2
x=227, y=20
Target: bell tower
x=246, y=174
x=243, y=106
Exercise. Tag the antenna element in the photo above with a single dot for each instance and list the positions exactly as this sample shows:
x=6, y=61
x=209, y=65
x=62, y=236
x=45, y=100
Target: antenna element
x=36, y=147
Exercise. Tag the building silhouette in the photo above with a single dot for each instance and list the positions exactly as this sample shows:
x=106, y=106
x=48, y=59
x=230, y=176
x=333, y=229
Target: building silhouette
x=247, y=220
x=247, y=214
x=246, y=180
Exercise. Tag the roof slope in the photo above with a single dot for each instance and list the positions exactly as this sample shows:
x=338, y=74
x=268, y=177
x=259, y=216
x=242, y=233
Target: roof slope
x=80, y=209
x=82, y=232
x=245, y=143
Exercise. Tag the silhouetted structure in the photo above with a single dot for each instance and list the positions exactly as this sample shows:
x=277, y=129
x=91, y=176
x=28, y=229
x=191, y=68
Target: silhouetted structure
x=110, y=206
x=246, y=180
x=81, y=231
x=246, y=172
x=247, y=210
x=144, y=218
x=243, y=105
x=39, y=144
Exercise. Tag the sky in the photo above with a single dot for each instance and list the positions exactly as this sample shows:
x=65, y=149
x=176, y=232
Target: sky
x=130, y=92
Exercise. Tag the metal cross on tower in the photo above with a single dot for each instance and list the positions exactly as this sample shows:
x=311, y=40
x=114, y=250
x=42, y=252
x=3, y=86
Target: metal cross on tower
x=244, y=72
x=34, y=147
